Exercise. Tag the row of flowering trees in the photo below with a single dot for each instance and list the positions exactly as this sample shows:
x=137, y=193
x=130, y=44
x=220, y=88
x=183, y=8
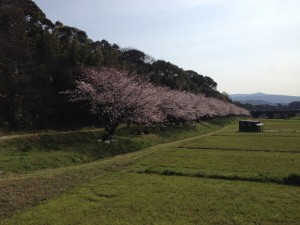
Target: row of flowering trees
x=118, y=96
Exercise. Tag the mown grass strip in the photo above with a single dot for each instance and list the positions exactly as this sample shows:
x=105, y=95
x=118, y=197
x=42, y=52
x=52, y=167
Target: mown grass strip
x=292, y=179
x=251, y=142
x=259, y=135
x=239, y=149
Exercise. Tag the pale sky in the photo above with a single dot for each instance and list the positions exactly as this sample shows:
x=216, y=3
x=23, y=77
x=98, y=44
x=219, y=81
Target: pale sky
x=246, y=46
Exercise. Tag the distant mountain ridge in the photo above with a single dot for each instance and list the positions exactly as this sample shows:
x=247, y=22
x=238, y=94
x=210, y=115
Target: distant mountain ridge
x=263, y=99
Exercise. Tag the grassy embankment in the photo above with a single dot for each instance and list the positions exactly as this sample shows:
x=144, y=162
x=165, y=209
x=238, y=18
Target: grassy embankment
x=25, y=153
x=224, y=177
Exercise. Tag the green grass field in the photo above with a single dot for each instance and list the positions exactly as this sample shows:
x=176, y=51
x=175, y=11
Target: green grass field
x=202, y=174
x=130, y=198
x=27, y=153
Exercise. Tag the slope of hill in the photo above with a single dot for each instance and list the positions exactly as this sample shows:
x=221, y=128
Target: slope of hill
x=261, y=98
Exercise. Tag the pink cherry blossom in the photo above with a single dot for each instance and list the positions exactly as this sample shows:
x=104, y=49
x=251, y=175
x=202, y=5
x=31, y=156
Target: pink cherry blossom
x=118, y=96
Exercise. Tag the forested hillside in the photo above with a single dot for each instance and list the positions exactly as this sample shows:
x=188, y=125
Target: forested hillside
x=40, y=59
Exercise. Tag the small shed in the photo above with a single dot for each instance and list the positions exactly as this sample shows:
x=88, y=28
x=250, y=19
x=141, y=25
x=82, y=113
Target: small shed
x=250, y=126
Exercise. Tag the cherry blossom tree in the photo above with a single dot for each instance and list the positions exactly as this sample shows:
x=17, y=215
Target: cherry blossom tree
x=118, y=96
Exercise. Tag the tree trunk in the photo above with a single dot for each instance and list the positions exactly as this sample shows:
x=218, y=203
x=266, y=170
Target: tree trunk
x=110, y=129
